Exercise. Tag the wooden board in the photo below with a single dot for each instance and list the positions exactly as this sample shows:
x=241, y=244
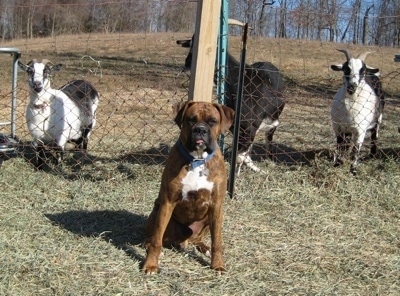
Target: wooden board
x=204, y=50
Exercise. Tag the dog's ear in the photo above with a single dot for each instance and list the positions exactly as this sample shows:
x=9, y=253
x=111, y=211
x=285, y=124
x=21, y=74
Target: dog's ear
x=227, y=117
x=178, y=110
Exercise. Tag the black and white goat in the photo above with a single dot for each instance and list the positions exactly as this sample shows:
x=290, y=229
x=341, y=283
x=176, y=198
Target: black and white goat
x=357, y=107
x=262, y=102
x=57, y=116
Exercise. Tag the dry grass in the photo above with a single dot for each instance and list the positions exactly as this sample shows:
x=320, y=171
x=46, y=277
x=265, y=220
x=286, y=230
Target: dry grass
x=303, y=228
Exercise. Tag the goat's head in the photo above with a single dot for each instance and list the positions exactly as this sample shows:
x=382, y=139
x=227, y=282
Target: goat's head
x=39, y=73
x=354, y=70
x=188, y=43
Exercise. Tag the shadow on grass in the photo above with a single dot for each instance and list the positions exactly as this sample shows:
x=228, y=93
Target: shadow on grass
x=86, y=166
x=285, y=155
x=153, y=156
x=121, y=228
x=95, y=168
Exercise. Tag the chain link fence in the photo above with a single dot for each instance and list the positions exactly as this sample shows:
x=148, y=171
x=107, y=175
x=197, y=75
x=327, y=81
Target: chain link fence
x=139, y=77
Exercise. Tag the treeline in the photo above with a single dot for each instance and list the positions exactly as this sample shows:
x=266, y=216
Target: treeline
x=355, y=21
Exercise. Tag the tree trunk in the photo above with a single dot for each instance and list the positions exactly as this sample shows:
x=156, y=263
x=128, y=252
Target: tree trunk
x=261, y=22
x=282, y=20
x=365, y=25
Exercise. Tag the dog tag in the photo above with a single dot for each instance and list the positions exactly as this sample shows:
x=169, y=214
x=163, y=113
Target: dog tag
x=204, y=172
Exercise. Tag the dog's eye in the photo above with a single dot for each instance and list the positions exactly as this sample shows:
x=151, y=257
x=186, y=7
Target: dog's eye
x=212, y=122
x=191, y=120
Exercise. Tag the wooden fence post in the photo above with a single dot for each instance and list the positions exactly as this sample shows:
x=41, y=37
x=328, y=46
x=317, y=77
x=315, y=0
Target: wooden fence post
x=204, y=50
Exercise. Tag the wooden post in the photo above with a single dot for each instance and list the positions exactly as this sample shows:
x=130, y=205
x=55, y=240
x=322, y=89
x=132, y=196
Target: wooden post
x=204, y=50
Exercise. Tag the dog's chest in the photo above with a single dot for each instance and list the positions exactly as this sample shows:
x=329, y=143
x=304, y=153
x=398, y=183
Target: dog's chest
x=195, y=180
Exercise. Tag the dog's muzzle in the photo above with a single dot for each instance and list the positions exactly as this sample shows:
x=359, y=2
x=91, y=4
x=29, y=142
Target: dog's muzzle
x=200, y=136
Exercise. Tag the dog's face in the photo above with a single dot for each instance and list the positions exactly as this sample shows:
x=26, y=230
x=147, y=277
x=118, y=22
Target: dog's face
x=201, y=123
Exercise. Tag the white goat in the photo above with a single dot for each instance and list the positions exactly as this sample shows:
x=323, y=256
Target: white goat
x=57, y=116
x=357, y=107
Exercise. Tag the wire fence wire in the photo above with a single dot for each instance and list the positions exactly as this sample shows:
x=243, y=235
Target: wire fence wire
x=139, y=77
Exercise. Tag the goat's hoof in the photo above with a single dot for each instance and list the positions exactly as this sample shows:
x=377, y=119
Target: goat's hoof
x=337, y=163
x=353, y=171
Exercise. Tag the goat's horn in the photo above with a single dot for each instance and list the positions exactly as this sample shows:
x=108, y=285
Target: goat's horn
x=235, y=22
x=346, y=52
x=362, y=56
x=45, y=61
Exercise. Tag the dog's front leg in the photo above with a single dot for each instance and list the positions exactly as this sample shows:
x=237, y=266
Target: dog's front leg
x=216, y=237
x=163, y=216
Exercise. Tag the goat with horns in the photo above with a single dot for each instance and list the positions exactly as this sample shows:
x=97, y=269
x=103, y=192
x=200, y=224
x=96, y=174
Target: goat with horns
x=57, y=116
x=357, y=107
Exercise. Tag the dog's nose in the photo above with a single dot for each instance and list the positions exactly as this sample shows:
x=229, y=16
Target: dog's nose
x=200, y=130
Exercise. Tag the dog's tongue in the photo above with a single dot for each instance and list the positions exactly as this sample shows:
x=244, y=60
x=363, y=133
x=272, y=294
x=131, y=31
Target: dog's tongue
x=200, y=142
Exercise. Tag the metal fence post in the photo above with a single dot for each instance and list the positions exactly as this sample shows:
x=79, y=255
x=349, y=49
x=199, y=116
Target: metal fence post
x=16, y=54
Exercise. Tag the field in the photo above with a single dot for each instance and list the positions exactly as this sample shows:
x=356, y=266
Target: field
x=301, y=228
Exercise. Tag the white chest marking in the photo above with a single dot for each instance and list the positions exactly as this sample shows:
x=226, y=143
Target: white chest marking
x=193, y=182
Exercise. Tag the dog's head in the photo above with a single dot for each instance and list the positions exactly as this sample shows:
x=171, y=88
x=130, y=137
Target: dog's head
x=201, y=123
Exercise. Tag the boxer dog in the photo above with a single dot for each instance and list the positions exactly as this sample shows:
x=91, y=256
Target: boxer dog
x=193, y=186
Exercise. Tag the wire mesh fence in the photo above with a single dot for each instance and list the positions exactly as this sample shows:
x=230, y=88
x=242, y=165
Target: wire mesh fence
x=139, y=77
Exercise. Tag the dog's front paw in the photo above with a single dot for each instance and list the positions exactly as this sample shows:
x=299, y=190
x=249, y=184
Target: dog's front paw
x=204, y=249
x=217, y=263
x=219, y=269
x=150, y=265
x=150, y=268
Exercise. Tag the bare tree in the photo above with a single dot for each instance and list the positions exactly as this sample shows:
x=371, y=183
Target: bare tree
x=29, y=19
x=282, y=19
x=261, y=20
x=365, y=25
x=353, y=19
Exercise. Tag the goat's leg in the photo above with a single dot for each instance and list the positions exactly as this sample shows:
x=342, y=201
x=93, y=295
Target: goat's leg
x=58, y=156
x=355, y=156
x=244, y=158
x=40, y=153
x=60, y=144
x=246, y=138
x=358, y=140
x=341, y=147
x=85, y=139
x=269, y=135
x=374, y=140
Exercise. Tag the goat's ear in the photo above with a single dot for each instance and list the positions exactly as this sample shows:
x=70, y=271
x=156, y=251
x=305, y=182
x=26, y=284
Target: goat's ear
x=372, y=70
x=56, y=68
x=227, y=117
x=184, y=43
x=178, y=110
x=22, y=65
x=337, y=67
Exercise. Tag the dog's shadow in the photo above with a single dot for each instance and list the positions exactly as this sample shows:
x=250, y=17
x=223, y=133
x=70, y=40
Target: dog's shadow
x=121, y=228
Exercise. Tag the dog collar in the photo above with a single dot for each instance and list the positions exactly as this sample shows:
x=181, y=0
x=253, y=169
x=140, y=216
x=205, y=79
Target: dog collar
x=194, y=162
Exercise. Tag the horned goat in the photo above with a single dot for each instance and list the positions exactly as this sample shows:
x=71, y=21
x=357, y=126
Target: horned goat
x=357, y=107
x=262, y=101
x=57, y=116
